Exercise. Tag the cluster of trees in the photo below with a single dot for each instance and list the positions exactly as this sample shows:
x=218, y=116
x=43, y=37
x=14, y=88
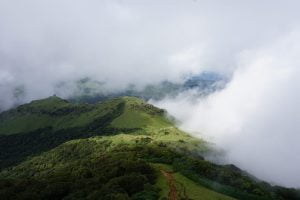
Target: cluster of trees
x=114, y=175
x=228, y=180
x=89, y=169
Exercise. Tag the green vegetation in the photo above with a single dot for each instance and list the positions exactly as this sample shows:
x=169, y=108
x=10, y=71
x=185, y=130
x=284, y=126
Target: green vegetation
x=126, y=112
x=196, y=191
x=123, y=148
x=138, y=114
x=185, y=186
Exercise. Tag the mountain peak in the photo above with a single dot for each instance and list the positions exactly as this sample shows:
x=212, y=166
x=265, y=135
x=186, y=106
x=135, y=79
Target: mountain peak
x=119, y=113
x=48, y=100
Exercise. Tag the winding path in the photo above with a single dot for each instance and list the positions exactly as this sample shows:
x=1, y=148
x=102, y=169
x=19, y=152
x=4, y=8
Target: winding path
x=172, y=188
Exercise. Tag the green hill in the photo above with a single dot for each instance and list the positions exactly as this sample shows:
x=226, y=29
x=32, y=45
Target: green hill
x=122, y=148
x=59, y=114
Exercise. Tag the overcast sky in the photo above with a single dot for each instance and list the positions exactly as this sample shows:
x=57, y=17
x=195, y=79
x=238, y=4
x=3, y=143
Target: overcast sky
x=256, y=117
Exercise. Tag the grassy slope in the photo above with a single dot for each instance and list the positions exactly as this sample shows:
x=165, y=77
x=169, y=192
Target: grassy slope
x=195, y=191
x=185, y=185
x=154, y=128
x=141, y=133
x=142, y=137
x=60, y=114
x=137, y=114
x=59, y=159
x=52, y=112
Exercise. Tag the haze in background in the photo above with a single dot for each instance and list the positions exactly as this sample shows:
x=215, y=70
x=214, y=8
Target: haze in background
x=255, y=118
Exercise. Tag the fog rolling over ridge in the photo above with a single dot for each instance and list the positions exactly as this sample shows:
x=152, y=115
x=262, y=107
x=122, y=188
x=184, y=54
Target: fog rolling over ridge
x=255, y=118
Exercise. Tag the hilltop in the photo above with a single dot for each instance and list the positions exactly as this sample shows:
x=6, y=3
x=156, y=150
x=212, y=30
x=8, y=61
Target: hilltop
x=122, y=148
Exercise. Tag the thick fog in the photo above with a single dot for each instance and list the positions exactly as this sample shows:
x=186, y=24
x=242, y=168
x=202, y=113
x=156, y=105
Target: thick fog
x=121, y=42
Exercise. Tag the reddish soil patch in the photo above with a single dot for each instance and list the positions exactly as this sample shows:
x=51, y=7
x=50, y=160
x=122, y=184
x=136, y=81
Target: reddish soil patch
x=172, y=188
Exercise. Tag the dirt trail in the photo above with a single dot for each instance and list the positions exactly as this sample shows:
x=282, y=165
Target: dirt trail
x=172, y=188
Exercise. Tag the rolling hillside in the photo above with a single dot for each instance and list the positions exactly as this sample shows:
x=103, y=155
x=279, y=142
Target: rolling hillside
x=122, y=148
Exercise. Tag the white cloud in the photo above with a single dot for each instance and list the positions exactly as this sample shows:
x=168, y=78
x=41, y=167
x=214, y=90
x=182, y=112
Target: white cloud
x=122, y=42
x=256, y=117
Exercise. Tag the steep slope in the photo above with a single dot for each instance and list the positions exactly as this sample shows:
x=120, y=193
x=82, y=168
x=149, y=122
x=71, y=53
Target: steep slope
x=56, y=113
x=59, y=114
x=43, y=124
x=123, y=148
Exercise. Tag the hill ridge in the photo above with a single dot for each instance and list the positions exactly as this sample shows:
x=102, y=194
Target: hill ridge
x=110, y=150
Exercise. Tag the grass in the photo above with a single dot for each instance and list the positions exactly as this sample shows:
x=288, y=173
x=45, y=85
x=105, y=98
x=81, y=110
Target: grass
x=184, y=186
x=136, y=115
x=25, y=123
x=195, y=191
x=162, y=184
x=131, y=120
x=60, y=114
x=170, y=136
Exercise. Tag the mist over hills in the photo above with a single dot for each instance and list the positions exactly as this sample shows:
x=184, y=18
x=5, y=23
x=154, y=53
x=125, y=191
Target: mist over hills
x=91, y=90
x=227, y=71
x=87, y=90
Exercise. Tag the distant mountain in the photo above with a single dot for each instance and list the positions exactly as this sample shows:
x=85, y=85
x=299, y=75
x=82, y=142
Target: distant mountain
x=91, y=91
x=122, y=148
x=88, y=90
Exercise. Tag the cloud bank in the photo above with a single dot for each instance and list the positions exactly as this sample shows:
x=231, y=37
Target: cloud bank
x=127, y=41
x=121, y=42
x=256, y=117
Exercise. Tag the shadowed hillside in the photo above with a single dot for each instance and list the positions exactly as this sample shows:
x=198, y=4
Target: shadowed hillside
x=122, y=148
